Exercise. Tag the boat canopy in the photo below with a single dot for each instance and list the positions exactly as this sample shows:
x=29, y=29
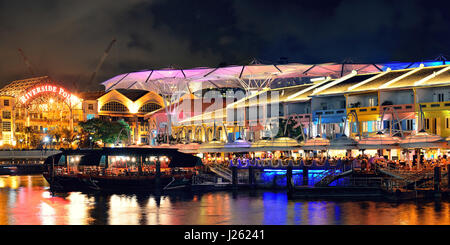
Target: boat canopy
x=177, y=159
x=55, y=158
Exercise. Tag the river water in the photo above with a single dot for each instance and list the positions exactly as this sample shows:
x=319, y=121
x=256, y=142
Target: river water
x=26, y=200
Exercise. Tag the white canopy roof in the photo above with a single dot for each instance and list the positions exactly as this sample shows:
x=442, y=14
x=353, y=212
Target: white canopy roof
x=232, y=76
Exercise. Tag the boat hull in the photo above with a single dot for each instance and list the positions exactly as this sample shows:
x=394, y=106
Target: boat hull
x=118, y=183
x=66, y=183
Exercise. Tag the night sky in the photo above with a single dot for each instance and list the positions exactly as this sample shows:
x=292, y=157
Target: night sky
x=65, y=39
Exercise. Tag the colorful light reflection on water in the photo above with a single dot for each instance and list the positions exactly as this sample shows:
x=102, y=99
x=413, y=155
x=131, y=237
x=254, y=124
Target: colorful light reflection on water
x=25, y=200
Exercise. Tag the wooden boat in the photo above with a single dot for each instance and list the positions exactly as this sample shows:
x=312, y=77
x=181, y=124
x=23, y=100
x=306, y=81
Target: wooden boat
x=121, y=169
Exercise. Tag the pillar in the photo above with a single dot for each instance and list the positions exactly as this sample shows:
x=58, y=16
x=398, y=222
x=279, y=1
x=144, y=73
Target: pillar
x=140, y=165
x=448, y=176
x=289, y=180
x=305, y=175
x=437, y=178
x=251, y=176
x=158, y=175
x=234, y=177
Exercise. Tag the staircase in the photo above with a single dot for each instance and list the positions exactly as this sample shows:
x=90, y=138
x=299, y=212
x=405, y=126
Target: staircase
x=221, y=171
x=330, y=176
x=409, y=179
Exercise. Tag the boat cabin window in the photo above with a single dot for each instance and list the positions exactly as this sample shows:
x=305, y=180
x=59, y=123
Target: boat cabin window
x=102, y=161
x=62, y=161
x=74, y=160
x=122, y=161
x=133, y=164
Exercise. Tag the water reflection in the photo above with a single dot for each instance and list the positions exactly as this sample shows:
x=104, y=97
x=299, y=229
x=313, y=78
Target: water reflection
x=26, y=200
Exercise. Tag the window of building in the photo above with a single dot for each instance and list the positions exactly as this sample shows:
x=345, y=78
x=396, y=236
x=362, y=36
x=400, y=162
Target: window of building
x=19, y=127
x=440, y=97
x=91, y=107
x=6, y=126
x=372, y=101
x=90, y=116
x=6, y=102
x=409, y=124
x=426, y=123
x=354, y=127
x=6, y=115
x=114, y=106
x=149, y=107
x=447, y=122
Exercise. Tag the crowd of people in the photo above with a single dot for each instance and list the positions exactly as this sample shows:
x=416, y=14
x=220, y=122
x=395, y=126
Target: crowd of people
x=361, y=162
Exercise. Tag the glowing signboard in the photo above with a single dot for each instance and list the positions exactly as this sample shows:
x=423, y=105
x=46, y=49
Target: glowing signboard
x=47, y=89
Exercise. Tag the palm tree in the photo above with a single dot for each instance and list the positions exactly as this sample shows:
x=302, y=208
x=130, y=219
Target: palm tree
x=29, y=132
x=68, y=136
x=57, y=134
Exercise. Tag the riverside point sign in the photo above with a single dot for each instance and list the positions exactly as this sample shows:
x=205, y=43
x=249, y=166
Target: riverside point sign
x=57, y=90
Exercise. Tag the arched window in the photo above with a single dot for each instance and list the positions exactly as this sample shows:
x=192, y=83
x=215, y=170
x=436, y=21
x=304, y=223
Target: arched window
x=149, y=107
x=114, y=106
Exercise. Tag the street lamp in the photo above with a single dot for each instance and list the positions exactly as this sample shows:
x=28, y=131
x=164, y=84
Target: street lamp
x=46, y=140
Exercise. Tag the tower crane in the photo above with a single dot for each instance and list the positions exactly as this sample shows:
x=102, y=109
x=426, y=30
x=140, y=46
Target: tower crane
x=27, y=62
x=105, y=54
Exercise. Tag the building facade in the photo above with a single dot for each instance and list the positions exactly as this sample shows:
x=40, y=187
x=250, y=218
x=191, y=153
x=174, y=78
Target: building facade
x=34, y=109
x=396, y=102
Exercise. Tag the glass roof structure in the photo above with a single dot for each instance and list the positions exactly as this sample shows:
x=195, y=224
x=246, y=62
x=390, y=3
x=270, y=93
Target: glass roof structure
x=248, y=77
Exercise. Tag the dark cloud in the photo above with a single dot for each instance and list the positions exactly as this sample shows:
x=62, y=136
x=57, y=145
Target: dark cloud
x=65, y=39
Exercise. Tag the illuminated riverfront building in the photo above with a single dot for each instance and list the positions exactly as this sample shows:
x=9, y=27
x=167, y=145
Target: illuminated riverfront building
x=396, y=103
x=328, y=100
x=33, y=109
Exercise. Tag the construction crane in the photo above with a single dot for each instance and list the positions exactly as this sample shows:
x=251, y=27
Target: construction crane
x=27, y=62
x=105, y=54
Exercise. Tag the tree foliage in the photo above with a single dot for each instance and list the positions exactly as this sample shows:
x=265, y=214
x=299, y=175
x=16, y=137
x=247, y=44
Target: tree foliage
x=104, y=130
x=290, y=131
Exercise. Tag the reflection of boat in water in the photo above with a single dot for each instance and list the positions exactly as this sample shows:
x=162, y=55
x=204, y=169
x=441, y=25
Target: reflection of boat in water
x=8, y=170
x=120, y=169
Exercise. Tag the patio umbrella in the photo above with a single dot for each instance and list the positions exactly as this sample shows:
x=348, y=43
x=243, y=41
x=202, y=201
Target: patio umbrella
x=188, y=148
x=238, y=145
x=285, y=144
x=277, y=144
x=343, y=143
x=422, y=140
x=165, y=145
x=212, y=146
x=317, y=143
x=379, y=141
x=260, y=145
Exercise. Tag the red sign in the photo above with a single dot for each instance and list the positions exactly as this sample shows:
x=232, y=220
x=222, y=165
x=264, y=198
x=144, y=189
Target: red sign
x=46, y=89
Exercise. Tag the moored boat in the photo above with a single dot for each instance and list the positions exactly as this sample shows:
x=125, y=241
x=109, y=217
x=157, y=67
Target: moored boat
x=125, y=169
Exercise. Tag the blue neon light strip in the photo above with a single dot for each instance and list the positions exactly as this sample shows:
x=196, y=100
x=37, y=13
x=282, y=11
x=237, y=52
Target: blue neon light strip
x=293, y=171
